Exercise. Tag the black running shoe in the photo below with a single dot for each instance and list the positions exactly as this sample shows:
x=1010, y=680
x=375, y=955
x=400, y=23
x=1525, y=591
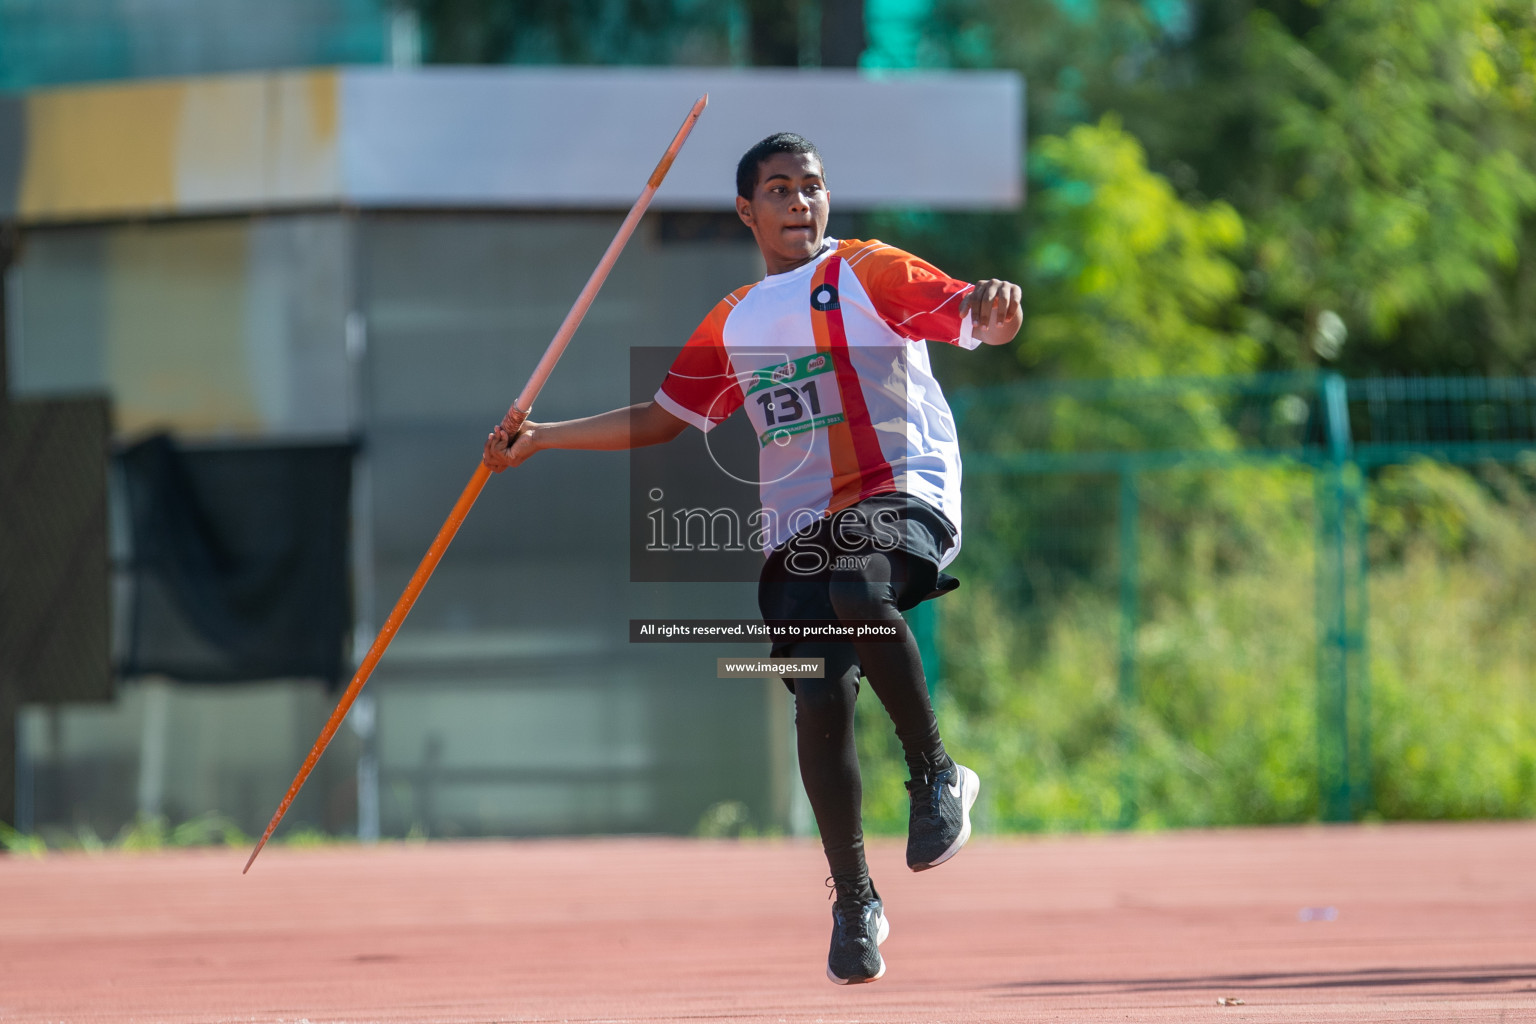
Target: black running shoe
x=940, y=820
x=858, y=928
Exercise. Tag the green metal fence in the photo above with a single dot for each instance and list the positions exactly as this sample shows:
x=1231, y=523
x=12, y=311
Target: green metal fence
x=1057, y=496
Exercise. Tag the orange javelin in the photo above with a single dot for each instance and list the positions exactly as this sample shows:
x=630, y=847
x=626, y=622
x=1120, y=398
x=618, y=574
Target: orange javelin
x=512, y=421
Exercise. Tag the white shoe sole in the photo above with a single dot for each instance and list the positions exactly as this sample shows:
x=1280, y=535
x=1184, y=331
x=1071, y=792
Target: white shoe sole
x=882, y=933
x=970, y=789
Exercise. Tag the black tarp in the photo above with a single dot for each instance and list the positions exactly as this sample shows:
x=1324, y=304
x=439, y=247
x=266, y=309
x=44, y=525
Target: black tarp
x=55, y=613
x=240, y=561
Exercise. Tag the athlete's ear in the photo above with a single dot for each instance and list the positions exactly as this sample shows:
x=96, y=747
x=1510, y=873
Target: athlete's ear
x=744, y=211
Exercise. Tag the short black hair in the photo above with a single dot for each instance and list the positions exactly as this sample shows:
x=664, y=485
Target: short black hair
x=752, y=160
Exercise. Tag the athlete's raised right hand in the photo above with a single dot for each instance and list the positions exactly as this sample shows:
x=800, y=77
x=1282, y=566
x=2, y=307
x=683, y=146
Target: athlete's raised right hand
x=504, y=450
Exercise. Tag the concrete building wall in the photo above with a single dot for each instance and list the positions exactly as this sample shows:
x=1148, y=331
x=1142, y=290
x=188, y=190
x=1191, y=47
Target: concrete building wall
x=212, y=328
x=511, y=702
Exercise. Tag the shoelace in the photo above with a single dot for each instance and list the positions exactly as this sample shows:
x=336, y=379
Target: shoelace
x=844, y=900
x=927, y=794
x=850, y=913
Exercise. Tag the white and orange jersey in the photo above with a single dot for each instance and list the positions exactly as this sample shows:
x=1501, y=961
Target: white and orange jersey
x=828, y=363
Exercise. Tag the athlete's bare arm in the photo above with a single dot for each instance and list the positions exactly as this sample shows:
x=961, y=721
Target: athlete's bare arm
x=635, y=426
x=996, y=311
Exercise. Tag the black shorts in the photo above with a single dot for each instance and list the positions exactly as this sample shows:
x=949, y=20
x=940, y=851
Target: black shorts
x=793, y=584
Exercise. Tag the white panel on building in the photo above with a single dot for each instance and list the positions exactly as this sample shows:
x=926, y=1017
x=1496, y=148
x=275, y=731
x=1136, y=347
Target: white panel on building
x=588, y=137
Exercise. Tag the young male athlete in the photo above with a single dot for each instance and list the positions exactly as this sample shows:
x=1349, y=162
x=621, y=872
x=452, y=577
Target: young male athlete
x=860, y=486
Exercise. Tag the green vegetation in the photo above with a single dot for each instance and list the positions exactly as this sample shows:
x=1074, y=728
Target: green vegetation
x=1126, y=280
x=1379, y=156
x=730, y=819
x=150, y=834
x=1454, y=654
x=1224, y=731
x=1219, y=187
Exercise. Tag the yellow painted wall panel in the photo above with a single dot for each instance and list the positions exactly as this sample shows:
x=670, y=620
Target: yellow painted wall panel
x=254, y=140
x=176, y=320
x=235, y=142
x=220, y=140
x=97, y=151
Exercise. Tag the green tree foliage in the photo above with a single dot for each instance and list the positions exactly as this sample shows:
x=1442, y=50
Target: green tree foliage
x=1121, y=276
x=575, y=31
x=1380, y=153
x=1394, y=168
x=1125, y=279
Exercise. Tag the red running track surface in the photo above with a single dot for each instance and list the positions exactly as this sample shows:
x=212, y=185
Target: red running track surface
x=1428, y=923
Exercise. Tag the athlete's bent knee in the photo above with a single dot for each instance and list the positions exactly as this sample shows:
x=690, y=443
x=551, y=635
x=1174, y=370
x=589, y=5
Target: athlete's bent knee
x=861, y=600
x=823, y=698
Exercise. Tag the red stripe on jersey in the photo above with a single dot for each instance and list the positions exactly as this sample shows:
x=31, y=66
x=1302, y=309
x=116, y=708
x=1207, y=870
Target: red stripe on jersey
x=846, y=476
x=875, y=475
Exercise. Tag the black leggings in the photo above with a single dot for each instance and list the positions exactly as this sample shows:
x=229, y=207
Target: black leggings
x=829, y=762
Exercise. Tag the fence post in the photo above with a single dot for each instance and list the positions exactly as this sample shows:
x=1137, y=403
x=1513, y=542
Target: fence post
x=1130, y=612
x=1343, y=686
x=1362, y=796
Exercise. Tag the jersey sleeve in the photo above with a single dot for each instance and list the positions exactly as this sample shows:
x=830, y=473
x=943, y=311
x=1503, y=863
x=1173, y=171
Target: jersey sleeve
x=701, y=388
x=915, y=299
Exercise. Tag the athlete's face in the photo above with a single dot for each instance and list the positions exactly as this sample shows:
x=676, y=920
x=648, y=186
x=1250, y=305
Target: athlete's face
x=788, y=210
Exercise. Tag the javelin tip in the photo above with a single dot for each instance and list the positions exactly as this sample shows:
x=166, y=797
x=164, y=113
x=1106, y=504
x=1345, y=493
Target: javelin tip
x=677, y=143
